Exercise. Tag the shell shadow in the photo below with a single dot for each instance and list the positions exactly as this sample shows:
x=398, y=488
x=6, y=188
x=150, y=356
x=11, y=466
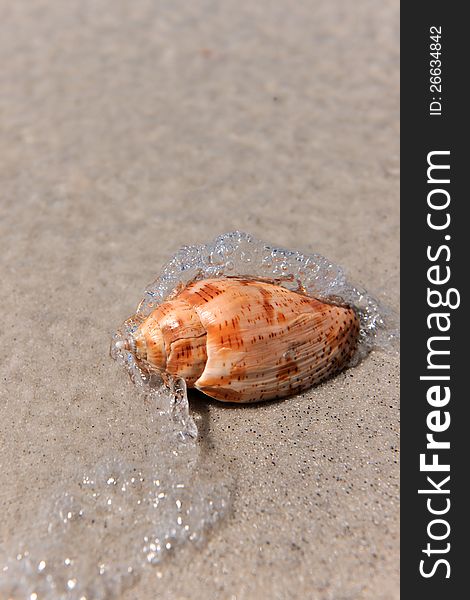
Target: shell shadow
x=202, y=405
x=200, y=409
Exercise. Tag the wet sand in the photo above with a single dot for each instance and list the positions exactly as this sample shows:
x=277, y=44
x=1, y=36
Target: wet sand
x=132, y=128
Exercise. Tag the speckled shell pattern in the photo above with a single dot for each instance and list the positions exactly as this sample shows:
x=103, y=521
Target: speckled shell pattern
x=243, y=340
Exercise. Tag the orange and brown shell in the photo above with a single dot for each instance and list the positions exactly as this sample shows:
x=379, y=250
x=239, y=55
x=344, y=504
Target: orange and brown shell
x=243, y=340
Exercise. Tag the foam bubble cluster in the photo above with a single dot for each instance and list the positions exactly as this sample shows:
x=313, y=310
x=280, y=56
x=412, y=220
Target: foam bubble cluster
x=94, y=537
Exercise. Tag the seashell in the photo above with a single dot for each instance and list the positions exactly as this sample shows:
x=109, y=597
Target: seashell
x=243, y=340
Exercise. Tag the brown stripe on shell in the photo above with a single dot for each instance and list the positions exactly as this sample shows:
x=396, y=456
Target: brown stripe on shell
x=187, y=358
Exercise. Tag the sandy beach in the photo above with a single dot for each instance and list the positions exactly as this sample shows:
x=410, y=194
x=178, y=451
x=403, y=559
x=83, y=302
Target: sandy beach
x=129, y=129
